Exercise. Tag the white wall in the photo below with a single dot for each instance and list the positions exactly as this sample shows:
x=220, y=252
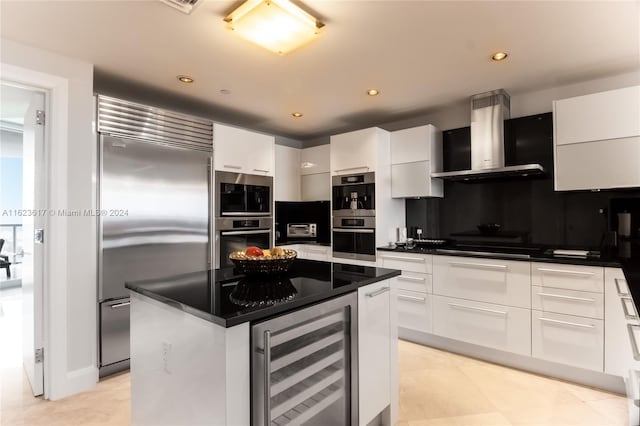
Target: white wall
x=70, y=283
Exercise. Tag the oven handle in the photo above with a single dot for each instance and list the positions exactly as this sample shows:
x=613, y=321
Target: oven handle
x=247, y=214
x=264, y=231
x=354, y=231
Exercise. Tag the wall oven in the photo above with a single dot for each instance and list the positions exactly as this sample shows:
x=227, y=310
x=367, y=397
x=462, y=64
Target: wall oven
x=354, y=195
x=239, y=194
x=235, y=234
x=354, y=238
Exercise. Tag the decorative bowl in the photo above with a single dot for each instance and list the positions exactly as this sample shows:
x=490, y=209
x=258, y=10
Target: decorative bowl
x=263, y=265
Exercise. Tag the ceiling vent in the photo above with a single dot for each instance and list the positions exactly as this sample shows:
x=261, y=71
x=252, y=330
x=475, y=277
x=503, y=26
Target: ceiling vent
x=184, y=6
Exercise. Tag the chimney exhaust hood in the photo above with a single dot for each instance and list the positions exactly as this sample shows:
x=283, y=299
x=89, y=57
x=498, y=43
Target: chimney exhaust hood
x=489, y=110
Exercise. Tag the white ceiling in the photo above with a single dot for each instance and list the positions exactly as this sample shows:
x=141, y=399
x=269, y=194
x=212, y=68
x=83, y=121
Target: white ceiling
x=419, y=54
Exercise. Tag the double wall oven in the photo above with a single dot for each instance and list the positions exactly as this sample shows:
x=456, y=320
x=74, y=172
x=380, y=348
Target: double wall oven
x=244, y=214
x=354, y=217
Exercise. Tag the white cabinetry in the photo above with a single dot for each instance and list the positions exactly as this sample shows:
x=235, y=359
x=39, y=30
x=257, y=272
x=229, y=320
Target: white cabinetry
x=567, y=317
x=286, y=181
x=315, y=173
x=597, y=140
x=415, y=154
x=242, y=151
x=311, y=251
x=376, y=346
x=357, y=152
x=619, y=316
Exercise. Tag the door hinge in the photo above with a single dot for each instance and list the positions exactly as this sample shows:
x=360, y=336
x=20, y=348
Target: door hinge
x=40, y=117
x=39, y=236
x=39, y=355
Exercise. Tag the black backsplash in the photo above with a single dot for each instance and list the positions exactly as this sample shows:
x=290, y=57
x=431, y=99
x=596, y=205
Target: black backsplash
x=565, y=219
x=317, y=212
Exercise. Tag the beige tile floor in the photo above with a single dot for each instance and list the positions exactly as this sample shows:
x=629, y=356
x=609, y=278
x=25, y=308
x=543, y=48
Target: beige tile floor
x=436, y=388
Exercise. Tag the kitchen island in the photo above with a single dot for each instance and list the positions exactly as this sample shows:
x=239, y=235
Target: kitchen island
x=216, y=347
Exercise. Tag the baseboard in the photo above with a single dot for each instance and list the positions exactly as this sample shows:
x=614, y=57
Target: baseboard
x=76, y=381
x=589, y=378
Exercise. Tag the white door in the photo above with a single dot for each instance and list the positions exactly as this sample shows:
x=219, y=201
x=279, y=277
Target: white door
x=32, y=235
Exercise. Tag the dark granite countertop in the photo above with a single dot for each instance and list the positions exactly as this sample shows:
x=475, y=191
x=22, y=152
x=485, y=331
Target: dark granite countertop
x=227, y=298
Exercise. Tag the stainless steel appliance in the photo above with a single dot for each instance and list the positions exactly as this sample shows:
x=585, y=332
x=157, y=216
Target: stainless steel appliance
x=237, y=233
x=354, y=195
x=154, y=221
x=304, y=366
x=302, y=230
x=354, y=238
x=239, y=194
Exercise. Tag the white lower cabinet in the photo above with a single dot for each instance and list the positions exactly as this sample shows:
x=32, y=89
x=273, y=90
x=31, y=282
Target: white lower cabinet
x=374, y=349
x=568, y=339
x=504, y=282
x=414, y=281
x=496, y=326
x=415, y=310
x=570, y=277
x=315, y=252
x=413, y=262
x=571, y=302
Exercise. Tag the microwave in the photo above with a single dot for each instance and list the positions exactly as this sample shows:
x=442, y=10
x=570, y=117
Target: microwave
x=239, y=194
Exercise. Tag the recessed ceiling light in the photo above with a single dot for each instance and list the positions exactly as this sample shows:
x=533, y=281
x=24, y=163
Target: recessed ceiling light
x=499, y=56
x=225, y=91
x=277, y=25
x=373, y=92
x=185, y=79
x=297, y=114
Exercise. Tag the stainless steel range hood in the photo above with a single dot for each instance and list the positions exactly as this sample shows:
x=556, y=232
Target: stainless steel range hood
x=488, y=112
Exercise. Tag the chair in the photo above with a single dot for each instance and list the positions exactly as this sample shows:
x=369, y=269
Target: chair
x=4, y=260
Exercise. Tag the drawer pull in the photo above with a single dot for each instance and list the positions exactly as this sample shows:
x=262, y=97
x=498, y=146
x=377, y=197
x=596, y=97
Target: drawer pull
x=411, y=279
x=478, y=265
x=378, y=292
x=231, y=166
x=618, y=287
x=406, y=259
x=572, y=324
x=634, y=343
x=411, y=298
x=565, y=272
x=560, y=296
x=261, y=170
x=627, y=314
x=473, y=308
x=352, y=168
x=120, y=305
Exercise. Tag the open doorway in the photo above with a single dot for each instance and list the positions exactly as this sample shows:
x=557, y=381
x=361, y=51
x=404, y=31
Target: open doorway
x=22, y=219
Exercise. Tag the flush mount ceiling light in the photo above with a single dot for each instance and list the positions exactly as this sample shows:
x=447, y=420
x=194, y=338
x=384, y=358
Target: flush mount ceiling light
x=185, y=79
x=277, y=25
x=373, y=92
x=297, y=114
x=499, y=56
x=307, y=165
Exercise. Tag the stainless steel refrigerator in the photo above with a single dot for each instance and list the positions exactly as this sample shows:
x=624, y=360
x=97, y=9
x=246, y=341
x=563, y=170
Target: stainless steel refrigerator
x=154, y=209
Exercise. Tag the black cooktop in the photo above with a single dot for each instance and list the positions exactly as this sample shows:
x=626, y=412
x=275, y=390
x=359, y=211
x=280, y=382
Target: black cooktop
x=227, y=298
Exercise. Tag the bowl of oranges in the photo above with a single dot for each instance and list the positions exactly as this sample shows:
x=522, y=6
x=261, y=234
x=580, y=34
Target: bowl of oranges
x=254, y=260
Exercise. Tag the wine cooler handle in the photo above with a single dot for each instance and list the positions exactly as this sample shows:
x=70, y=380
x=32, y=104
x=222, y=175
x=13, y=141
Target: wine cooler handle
x=267, y=378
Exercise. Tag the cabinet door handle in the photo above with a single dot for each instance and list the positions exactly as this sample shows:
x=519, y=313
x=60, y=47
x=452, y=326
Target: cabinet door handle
x=627, y=314
x=618, y=287
x=572, y=324
x=120, y=305
x=261, y=170
x=560, y=296
x=565, y=272
x=473, y=308
x=411, y=279
x=634, y=343
x=352, y=168
x=407, y=259
x=267, y=377
x=231, y=166
x=478, y=265
x=377, y=292
x=412, y=298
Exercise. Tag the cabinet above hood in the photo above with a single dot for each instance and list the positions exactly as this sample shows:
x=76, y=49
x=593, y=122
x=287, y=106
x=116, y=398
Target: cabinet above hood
x=488, y=114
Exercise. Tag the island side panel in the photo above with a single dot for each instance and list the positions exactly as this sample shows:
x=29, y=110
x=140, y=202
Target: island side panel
x=179, y=369
x=238, y=371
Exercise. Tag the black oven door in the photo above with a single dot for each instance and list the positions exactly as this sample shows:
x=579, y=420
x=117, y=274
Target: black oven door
x=231, y=241
x=358, y=244
x=233, y=199
x=258, y=200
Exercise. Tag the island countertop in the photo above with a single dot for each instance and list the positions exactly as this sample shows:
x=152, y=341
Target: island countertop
x=227, y=298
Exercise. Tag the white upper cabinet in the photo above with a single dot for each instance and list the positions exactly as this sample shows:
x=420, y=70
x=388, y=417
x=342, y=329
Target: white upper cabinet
x=286, y=181
x=243, y=151
x=597, y=140
x=315, y=160
x=358, y=151
x=415, y=154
